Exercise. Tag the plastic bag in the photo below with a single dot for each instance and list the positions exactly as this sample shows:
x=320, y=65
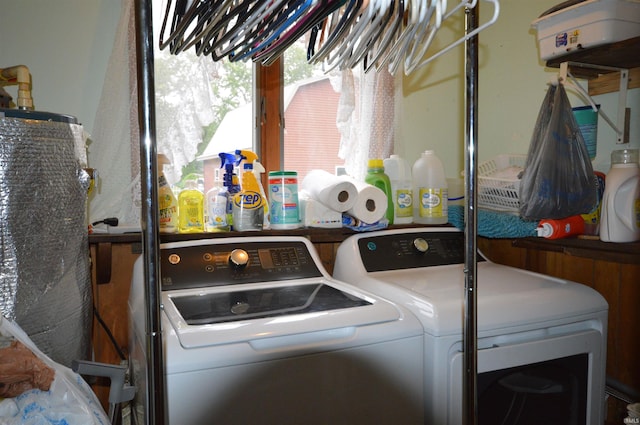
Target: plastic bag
x=66, y=399
x=558, y=179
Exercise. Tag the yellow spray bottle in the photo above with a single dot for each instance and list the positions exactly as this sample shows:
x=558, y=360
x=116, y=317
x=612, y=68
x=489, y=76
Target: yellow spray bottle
x=249, y=163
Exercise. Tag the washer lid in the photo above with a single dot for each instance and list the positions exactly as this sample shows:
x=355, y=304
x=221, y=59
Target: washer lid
x=219, y=307
x=253, y=312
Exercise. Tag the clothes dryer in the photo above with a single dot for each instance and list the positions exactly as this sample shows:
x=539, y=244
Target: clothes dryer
x=255, y=331
x=541, y=340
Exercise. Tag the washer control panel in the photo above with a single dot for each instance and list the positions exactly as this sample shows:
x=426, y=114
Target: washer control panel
x=411, y=250
x=228, y=264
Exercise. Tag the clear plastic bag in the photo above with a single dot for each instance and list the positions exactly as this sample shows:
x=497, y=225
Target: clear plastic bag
x=64, y=399
x=558, y=179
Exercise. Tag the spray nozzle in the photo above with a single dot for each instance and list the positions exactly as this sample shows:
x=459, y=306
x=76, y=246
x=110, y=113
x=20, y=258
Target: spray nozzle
x=247, y=156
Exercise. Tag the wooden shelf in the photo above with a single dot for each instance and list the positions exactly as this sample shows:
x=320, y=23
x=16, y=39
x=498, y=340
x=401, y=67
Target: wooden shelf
x=624, y=54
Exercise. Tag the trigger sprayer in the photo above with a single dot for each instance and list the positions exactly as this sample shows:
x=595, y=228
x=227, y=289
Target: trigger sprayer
x=229, y=161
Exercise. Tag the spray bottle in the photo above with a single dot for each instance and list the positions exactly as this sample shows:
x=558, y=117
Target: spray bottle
x=228, y=161
x=248, y=204
x=249, y=157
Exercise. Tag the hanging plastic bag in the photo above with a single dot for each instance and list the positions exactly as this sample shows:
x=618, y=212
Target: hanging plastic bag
x=39, y=391
x=558, y=179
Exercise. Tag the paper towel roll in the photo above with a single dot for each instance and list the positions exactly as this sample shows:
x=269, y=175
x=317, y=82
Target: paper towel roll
x=371, y=203
x=337, y=193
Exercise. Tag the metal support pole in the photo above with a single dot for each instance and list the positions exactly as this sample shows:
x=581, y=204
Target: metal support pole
x=149, y=218
x=470, y=364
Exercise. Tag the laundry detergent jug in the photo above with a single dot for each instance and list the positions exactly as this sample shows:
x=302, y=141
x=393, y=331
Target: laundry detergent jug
x=620, y=220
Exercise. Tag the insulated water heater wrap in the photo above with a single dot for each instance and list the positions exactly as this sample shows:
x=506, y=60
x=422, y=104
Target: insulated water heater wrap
x=45, y=281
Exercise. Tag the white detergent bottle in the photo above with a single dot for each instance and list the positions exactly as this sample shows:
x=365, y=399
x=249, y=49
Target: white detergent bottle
x=430, y=190
x=399, y=173
x=620, y=219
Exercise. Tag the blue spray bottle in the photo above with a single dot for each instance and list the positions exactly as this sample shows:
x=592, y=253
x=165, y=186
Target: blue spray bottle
x=230, y=182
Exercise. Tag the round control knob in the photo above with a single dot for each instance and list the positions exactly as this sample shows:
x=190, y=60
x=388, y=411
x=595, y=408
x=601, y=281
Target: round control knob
x=238, y=259
x=421, y=245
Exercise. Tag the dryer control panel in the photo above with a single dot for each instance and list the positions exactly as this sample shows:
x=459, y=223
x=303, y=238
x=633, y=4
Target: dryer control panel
x=411, y=250
x=227, y=264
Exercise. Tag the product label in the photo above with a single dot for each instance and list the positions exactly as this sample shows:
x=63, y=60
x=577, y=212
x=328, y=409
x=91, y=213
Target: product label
x=404, y=203
x=248, y=200
x=283, y=202
x=433, y=203
x=217, y=211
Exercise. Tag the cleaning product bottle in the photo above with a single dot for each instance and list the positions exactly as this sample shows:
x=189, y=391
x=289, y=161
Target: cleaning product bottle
x=377, y=177
x=283, y=197
x=620, y=215
x=399, y=174
x=190, y=209
x=247, y=156
x=248, y=204
x=216, y=206
x=430, y=190
x=167, y=202
x=228, y=161
x=561, y=228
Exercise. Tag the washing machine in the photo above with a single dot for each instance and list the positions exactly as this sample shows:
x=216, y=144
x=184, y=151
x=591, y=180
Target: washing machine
x=541, y=340
x=255, y=331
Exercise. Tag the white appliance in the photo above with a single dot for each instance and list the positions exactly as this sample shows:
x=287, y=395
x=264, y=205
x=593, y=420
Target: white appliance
x=255, y=331
x=541, y=340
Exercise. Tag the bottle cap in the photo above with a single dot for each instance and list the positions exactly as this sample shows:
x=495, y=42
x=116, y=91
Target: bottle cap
x=624, y=156
x=545, y=230
x=375, y=163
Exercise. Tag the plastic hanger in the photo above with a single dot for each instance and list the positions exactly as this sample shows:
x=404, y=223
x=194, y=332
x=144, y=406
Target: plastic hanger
x=382, y=15
x=343, y=23
x=316, y=14
x=344, y=50
x=294, y=10
x=249, y=32
x=494, y=18
x=431, y=20
x=390, y=34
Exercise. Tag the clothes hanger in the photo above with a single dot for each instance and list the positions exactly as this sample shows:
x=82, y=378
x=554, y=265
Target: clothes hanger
x=342, y=23
x=390, y=34
x=246, y=33
x=182, y=7
x=344, y=50
x=233, y=33
x=425, y=33
x=398, y=50
x=217, y=26
x=491, y=21
x=315, y=15
x=292, y=12
x=208, y=16
x=384, y=13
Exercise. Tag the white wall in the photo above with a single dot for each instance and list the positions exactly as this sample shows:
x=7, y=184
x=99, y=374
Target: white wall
x=66, y=45
x=512, y=85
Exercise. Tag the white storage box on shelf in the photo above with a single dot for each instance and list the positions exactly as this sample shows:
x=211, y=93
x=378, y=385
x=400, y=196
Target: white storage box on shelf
x=499, y=183
x=586, y=24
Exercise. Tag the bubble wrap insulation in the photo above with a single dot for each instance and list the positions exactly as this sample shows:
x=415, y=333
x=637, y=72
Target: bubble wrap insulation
x=45, y=280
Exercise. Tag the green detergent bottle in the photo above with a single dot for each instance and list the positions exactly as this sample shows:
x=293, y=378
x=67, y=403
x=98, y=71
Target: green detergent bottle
x=376, y=177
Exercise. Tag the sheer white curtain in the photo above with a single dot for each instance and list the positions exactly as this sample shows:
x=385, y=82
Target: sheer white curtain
x=365, y=118
x=183, y=108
